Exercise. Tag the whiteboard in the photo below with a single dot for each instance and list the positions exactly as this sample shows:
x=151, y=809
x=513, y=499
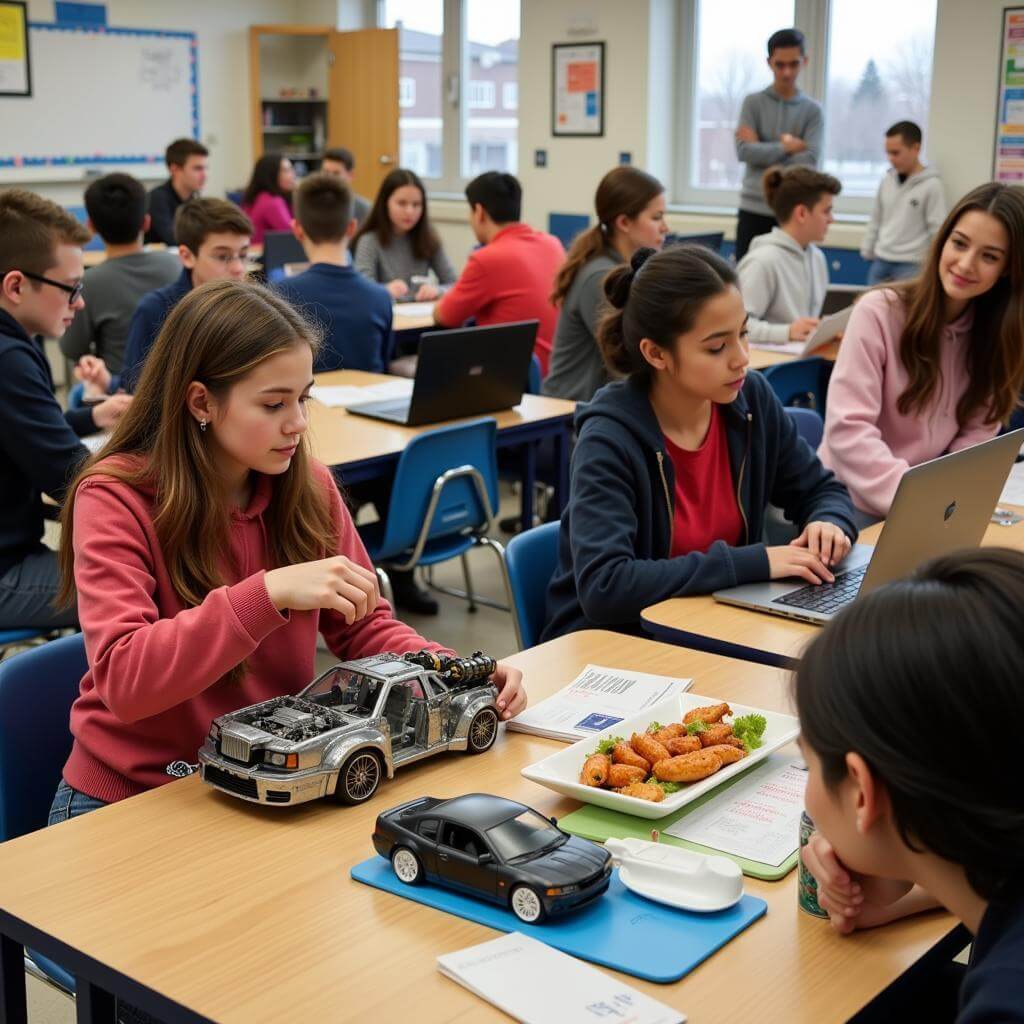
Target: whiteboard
x=101, y=95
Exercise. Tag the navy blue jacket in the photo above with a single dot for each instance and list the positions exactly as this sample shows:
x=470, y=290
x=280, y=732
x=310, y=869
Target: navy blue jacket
x=148, y=318
x=39, y=446
x=353, y=313
x=993, y=988
x=616, y=533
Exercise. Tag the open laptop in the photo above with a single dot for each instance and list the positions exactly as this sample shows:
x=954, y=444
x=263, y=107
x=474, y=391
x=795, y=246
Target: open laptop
x=464, y=372
x=940, y=506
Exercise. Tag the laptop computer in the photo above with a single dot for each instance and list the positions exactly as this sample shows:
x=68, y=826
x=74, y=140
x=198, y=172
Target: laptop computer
x=464, y=372
x=940, y=506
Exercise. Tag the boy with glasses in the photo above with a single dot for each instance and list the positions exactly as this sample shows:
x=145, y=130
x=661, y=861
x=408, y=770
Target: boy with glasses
x=40, y=292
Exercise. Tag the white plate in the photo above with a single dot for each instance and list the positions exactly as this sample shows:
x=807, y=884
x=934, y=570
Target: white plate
x=561, y=771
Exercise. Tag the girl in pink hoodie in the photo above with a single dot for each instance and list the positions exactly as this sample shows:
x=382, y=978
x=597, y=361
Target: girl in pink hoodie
x=207, y=549
x=935, y=364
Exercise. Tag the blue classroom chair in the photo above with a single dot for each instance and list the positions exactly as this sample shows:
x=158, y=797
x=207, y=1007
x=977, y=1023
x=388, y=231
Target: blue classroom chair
x=802, y=382
x=809, y=425
x=531, y=557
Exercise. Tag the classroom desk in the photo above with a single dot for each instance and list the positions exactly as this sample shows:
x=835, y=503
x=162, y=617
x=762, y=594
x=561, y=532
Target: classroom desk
x=705, y=624
x=359, y=449
x=762, y=358
x=197, y=906
x=401, y=322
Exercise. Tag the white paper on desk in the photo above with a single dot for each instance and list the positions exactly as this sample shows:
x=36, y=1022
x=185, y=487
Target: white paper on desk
x=1013, y=491
x=758, y=818
x=828, y=327
x=537, y=984
x=791, y=348
x=596, y=699
x=94, y=442
x=345, y=395
x=410, y=310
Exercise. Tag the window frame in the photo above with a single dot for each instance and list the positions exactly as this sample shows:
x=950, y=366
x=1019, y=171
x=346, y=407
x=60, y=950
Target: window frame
x=406, y=85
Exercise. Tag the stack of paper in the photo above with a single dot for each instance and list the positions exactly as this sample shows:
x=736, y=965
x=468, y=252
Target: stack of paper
x=539, y=985
x=1013, y=492
x=413, y=310
x=596, y=699
x=827, y=330
x=345, y=395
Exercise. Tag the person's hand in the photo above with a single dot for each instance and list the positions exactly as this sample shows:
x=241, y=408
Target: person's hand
x=336, y=583
x=108, y=412
x=802, y=328
x=787, y=561
x=792, y=143
x=93, y=372
x=427, y=293
x=826, y=540
x=744, y=133
x=398, y=288
x=511, y=693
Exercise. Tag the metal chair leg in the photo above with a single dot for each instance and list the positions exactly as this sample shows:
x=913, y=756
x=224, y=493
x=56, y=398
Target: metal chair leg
x=468, y=577
x=464, y=594
x=385, y=587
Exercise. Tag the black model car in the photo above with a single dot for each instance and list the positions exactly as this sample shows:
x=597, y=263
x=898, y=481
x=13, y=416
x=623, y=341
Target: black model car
x=496, y=849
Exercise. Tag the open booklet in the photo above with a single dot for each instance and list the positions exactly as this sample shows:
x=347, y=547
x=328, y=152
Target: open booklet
x=827, y=330
x=596, y=699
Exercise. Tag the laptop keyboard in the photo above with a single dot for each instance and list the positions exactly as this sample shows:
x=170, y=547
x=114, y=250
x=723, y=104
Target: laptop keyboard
x=826, y=597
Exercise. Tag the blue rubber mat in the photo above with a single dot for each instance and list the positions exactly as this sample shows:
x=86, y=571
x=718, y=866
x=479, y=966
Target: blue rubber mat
x=620, y=930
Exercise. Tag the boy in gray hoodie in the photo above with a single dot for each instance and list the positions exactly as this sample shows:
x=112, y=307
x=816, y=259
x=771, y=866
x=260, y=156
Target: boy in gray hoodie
x=909, y=208
x=779, y=125
x=784, y=277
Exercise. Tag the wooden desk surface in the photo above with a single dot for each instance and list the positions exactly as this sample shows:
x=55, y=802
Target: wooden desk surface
x=338, y=438
x=762, y=358
x=247, y=913
x=780, y=636
x=402, y=322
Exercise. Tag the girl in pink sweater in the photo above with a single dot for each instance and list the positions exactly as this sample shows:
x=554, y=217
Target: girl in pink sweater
x=936, y=364
x=268, y=197
x=207, y=549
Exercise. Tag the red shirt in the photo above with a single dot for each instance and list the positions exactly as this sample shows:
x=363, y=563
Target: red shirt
x=705, y=499
x=509, y=279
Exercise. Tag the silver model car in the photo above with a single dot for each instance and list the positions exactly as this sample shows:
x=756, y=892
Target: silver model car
x=357, y=722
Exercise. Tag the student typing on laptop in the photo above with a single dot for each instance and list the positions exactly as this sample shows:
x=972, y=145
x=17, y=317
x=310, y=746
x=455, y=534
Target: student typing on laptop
x=675, y=466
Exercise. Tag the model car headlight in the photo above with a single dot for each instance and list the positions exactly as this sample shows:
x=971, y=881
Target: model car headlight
x=561, y=890
x=281, y=760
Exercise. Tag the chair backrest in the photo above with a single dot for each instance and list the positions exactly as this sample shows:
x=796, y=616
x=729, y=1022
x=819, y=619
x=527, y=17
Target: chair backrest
x=37, y=689
x=536, y=376
x=801, y=382
x=531, y=558
x=279, y=248
x=459, y=508
x=809, y=425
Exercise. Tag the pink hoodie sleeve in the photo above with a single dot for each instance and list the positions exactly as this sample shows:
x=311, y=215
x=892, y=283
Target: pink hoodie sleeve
x=857, y=451
x=975, y=430
x=143, y=664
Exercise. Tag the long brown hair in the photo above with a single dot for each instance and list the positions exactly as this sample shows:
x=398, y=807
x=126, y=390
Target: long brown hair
x=623, y=191
x=423, y=238
x=216, y=335
x=995, y=355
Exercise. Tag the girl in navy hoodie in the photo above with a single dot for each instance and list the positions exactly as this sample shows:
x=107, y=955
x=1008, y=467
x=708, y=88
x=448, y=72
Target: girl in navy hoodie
x=676, y=464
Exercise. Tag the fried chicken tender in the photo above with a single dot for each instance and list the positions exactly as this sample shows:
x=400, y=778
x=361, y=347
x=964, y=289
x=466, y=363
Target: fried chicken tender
x=669, y=732
x=683, y=745
x=712, y=713
x=622, y=775
x=735, y=741
x=644, y=791
x=688, y=767
x=648, y=747
x=727, y=753
x=595, y=770
x=714, y=735
x=625, y=754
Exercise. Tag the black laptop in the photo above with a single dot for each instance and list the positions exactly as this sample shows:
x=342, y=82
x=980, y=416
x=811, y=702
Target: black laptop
x=464, y=372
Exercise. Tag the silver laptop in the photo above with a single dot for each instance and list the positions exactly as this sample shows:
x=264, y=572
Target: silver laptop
x=940, y=506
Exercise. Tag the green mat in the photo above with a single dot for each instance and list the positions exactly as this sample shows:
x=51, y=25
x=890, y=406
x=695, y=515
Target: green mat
x=599, y=824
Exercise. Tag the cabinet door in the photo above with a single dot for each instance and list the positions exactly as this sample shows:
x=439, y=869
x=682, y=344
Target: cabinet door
x=362, y=109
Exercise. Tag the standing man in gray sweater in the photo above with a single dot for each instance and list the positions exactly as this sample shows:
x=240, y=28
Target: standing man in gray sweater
x=779, y=125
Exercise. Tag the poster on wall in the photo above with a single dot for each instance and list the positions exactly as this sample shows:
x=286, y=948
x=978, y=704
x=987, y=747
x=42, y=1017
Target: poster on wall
x=15, y=79
x=1008, y=163
x=577, y=89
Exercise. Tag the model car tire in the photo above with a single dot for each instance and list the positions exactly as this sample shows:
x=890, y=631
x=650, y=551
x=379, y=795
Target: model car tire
x=359, y=778
x=406, y=866
x=483, y=731
x=527, y=905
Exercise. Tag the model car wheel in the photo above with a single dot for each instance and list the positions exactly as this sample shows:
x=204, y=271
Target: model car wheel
x=527, y=905
x=359, y=778
x=406, y=866
x=483, y=731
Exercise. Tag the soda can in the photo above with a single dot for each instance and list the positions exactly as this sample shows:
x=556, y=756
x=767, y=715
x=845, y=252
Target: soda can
x=807, y=886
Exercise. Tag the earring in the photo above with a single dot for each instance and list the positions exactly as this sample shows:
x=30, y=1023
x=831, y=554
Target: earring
x=202, y=426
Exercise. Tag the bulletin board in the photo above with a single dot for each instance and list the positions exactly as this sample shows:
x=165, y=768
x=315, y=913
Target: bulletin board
x=577, y=89
x=15, y=70
x=1008, y=159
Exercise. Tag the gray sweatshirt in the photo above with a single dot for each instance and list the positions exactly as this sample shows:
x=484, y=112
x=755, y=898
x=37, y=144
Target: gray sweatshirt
x=905, y=217
x=772, y=117
x=396, y=261
x=780, y=281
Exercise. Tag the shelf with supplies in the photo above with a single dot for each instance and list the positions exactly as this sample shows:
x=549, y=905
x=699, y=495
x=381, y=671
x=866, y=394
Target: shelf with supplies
x=298, y=129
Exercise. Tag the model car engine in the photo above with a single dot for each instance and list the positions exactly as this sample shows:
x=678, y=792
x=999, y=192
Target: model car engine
x=293, y=719
x=455, y=671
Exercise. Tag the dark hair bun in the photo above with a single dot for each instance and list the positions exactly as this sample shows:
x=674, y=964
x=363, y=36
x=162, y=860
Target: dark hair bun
x=771, y=181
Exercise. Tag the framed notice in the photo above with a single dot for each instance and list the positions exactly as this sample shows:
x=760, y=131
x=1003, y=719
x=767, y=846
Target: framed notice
x=577, y=89
x=1008, y=161
x=15, y=79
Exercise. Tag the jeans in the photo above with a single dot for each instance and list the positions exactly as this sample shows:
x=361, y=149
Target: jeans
x=891, y=270
x=748, y=227
x=27, y=591
x=70, y=803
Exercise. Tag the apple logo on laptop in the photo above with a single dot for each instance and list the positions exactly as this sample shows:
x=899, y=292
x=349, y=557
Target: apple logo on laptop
x=476, y=371
x=950, y=512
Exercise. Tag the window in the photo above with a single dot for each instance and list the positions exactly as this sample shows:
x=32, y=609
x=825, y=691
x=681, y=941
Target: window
x=480, y=94
x=874, y=80
x=407, y=92
x=510, y=95
x=429, y=828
